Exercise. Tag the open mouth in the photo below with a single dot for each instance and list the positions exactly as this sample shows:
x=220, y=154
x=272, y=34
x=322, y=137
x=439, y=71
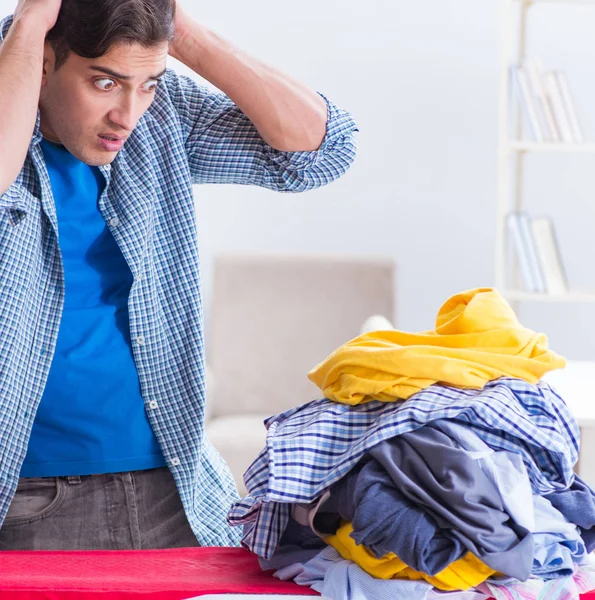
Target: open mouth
x=111, y=143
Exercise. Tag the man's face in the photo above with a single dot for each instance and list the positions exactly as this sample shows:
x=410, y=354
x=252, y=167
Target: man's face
x=91, y=105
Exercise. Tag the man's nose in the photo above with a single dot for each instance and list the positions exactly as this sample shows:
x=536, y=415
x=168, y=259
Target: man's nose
x=124, y=114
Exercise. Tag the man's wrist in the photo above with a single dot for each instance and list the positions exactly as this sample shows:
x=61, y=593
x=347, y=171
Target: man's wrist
x=192, y=46
x=181, y=46
x=30, y=23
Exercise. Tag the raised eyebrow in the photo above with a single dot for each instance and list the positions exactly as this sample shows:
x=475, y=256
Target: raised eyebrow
x=116, y=75
x=111, y=73
x=159, y=75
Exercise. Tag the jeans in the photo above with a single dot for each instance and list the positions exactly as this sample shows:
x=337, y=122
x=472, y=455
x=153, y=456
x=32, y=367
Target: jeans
x=121, y=511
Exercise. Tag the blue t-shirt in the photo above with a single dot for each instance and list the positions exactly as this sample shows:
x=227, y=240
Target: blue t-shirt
x=92, y=417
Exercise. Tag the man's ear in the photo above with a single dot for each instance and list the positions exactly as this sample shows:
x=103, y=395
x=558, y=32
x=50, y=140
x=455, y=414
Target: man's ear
x=49, y=61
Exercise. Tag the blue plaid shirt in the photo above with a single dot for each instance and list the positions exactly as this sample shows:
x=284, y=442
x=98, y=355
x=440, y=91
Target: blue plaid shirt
x=188, y=136
x=310, y=447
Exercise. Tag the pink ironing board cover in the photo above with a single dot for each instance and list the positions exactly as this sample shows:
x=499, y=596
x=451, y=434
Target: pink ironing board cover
x=174, y=574
x=140, y=575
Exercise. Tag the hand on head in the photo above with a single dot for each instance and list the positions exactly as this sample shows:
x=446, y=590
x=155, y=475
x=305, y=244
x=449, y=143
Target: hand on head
x=44, y=10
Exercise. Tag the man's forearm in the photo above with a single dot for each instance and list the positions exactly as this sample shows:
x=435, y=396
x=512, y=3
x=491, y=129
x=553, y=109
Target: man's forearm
x=288, y=115
x=21, y=64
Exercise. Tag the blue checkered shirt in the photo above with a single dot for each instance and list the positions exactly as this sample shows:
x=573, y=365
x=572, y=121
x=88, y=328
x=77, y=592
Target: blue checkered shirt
x=310, y=447
x=188, y=136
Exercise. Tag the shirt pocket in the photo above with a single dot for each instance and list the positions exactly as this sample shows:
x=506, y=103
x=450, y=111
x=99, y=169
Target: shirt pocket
x=21, y=239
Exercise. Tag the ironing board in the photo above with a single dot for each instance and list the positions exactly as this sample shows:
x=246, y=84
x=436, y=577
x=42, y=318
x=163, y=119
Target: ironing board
x=178, y=574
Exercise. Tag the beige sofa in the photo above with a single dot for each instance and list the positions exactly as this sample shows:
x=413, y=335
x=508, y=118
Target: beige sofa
x=272, y=319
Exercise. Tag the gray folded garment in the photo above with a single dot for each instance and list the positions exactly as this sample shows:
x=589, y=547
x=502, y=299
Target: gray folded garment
x=577, y=504
x=427, y=500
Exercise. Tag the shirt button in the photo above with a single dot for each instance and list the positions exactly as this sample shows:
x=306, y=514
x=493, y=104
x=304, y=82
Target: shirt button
x=153, y=404
x=139, y=277
x=140, y=340
x=114, y=222
x=175, y=462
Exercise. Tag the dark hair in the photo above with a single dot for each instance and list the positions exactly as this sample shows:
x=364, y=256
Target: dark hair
x=90, y=28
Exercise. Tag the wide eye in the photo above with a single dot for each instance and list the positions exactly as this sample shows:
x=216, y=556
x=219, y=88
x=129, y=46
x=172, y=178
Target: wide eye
x=105, y=84
x=151, y=85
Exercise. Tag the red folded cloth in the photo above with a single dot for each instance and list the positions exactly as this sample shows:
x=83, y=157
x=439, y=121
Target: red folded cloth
x=136, y=574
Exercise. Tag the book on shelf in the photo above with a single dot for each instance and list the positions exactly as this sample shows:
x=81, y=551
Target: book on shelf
x=546, y=103
x=543, y=106
x=550, y=258
x=567, y=99
x=535, y=263
x=525, y=100
x=555, y=100
x=534, y=246
x=518, y=249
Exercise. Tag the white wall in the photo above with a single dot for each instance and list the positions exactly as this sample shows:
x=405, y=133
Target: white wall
x=421, y=79
x=426, y=103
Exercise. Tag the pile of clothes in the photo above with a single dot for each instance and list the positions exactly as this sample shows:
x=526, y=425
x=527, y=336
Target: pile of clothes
x=438, y=465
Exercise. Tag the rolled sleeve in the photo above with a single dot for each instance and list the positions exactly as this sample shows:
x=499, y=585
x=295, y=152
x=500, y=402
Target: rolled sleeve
x=223, y=146
x=302, y=171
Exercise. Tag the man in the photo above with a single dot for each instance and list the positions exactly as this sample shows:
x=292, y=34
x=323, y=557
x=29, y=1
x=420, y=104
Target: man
x=102, y=385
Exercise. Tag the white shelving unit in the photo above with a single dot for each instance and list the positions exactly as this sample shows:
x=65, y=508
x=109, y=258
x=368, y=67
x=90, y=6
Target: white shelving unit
x=520, y=146
x=574, y=382
x=555, y=1
x=520, y=296
x=513, y=149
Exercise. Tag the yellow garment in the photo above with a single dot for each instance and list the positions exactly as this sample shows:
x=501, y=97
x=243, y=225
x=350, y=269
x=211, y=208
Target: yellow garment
x=477, y=339
x=463, y=574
